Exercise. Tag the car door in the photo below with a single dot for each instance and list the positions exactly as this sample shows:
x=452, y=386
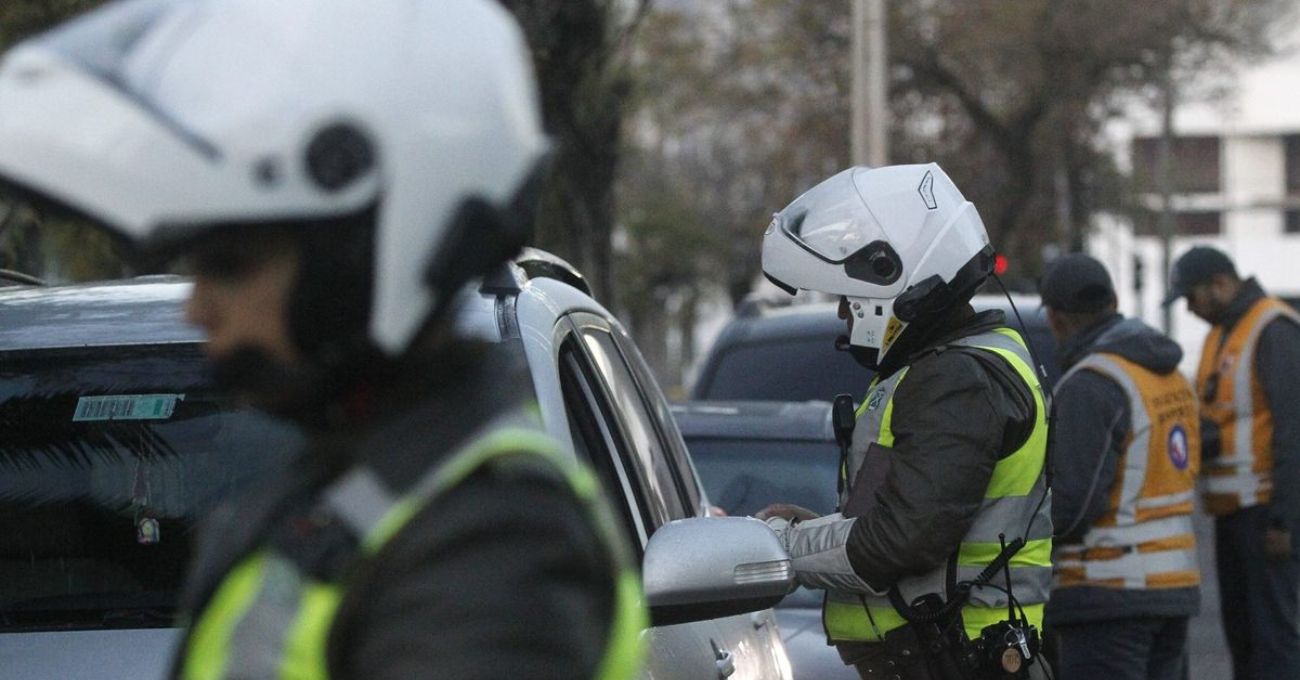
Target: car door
x=621, y=426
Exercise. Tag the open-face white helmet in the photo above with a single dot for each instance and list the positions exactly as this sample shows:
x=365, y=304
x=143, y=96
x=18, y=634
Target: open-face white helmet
x=901, y=243
x=168, y=119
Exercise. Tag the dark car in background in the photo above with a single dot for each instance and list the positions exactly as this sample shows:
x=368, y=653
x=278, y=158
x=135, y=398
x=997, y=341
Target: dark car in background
x=787, y=352
x=750, y=454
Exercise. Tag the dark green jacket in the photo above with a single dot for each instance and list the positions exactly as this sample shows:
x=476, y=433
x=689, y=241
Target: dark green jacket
x=502, y=576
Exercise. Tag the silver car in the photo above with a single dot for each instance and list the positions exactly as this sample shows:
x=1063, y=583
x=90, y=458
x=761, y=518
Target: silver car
x=114, y=444
x=754, y=453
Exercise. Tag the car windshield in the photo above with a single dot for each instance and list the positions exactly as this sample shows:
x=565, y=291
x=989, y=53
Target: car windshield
x=109, y=457
x=743, y=476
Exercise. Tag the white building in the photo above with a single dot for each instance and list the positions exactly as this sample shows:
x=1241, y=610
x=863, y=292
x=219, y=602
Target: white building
x=1236, y=173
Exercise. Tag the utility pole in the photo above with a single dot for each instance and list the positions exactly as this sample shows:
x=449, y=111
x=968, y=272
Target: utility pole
x=1164, y=179
x=870, y=123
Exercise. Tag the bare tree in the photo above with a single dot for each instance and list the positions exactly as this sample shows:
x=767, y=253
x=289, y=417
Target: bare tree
x=579, y=48
x=1009, y=97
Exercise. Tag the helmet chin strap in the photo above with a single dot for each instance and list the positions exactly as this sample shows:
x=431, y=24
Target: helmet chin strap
x=864, y=356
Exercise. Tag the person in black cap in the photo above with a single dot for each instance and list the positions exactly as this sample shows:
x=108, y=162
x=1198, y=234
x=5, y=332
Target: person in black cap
x=1250, y=409
x=1125, y=453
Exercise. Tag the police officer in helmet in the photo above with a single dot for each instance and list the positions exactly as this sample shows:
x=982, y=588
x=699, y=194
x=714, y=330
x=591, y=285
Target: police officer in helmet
x=943, y=505
x=334, y=173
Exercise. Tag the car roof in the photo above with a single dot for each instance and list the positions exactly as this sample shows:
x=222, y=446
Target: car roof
x=785, y=420
x=140, y=311
x=149, y=310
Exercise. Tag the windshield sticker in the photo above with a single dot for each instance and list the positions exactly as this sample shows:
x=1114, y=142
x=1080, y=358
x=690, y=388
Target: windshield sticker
x=126, y=407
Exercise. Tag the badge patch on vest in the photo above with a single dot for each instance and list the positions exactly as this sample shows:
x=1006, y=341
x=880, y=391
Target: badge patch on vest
x=1178, y=447
x=876, y=399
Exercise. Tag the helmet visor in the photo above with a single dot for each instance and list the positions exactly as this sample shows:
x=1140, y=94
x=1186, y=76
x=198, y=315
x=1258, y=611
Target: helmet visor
x=831, y=221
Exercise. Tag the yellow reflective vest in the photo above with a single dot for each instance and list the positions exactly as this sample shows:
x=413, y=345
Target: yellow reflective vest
x=269, y=619
x=1012, y=502
x=1232, y=398
x=1145, y=539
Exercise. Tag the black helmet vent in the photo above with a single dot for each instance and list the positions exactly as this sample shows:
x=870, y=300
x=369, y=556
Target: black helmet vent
x=876, y=263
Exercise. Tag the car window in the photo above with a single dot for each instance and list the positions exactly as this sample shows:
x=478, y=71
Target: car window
x=744, y=476
x=597, y=441
x=689, y=485
x=790, y=369
x=109, y=457
x=660, y=482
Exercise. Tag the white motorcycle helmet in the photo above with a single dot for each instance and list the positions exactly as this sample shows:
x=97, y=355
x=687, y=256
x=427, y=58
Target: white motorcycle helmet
x=169, y=120
x=900, y=243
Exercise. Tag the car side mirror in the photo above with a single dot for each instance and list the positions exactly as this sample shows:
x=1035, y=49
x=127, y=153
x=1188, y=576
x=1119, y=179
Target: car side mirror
x=709, y=567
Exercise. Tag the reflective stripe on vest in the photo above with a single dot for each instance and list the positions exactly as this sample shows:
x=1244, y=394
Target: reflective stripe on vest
x=268, y=619
x=1241, y=475
x=1010, y=502
x=1144, y=540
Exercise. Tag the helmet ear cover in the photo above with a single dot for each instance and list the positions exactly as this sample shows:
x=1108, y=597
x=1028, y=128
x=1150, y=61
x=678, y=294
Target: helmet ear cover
x=923, y=299
x=331, y=304
x=481, y=236
x=933, y=295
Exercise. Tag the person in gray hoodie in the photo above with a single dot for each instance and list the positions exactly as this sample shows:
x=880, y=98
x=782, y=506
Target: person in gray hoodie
x=1125, y=451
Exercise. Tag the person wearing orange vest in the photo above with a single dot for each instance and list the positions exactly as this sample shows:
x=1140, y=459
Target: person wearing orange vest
x=1250, y=411
x=1125, y=454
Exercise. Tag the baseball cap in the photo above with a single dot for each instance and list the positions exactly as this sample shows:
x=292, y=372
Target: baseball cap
x=1076, y=283
x=1198, y=265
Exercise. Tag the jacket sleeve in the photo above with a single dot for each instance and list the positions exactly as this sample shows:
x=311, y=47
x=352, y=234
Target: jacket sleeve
x=502, y=577
x=1277, y=357
x=950, y=422
x=1091, y=419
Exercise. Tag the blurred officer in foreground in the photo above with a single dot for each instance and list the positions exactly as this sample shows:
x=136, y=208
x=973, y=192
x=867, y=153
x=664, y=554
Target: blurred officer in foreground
x=1250, y=410
x=1125, y=453
x=333, y=172
x=944, y=504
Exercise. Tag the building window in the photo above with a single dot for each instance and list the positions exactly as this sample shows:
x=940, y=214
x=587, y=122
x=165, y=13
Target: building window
x=1193, y=164
x=1292, y=225
x=1206, y=223
x=1291, y=143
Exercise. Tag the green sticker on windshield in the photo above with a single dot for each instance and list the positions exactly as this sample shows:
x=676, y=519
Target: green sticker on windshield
x=127, y=407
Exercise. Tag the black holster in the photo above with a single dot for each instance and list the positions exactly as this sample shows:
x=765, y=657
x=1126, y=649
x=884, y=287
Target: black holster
x=908, y=653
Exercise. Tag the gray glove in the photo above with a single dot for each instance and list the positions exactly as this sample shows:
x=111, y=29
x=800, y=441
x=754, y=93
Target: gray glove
x=818, y=549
